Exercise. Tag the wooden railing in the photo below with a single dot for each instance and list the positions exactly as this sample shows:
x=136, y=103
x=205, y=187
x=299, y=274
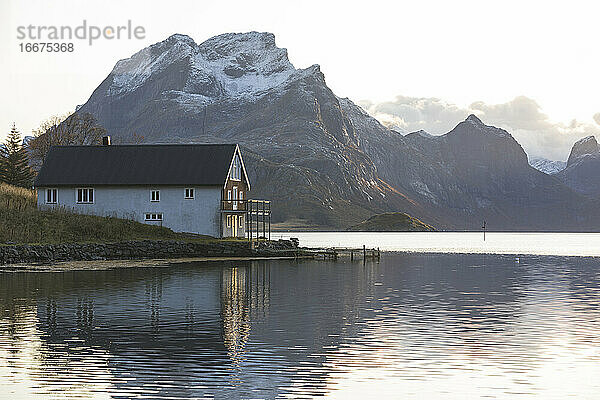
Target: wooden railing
x=233, y=205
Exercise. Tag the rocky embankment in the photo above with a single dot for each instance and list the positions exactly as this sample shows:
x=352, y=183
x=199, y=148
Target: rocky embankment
x=143, y=249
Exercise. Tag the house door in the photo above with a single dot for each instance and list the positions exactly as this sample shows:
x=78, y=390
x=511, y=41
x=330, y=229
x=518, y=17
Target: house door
x=234, y=225
x=235, y=198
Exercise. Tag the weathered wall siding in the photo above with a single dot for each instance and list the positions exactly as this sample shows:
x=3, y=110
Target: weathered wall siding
x=14, y=254
x=198, y=215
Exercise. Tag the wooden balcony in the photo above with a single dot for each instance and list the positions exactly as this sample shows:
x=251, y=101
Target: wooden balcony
x=258, y=216
x=234, y=205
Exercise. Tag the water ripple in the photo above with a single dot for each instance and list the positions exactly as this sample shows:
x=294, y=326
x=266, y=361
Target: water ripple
x=411, y=326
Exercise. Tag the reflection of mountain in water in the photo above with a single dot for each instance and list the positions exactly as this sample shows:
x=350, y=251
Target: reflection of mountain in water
x=189, y=326
x=268, y=329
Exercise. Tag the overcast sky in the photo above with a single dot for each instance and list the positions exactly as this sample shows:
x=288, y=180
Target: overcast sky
x=461, y=55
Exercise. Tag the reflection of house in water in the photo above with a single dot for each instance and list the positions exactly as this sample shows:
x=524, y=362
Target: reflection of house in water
x=180, y=324
x=194, y=330
x=234, y=312
x=244, y=295
x=287, y=329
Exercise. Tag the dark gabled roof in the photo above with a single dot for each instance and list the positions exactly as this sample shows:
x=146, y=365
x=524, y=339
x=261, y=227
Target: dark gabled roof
x=185, y=164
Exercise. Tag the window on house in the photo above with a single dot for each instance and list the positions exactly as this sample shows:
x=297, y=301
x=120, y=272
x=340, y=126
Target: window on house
x=85, y=195
x=229, y=221
x=240, y=220
x=236, y=169
x=155, y=195
x=189, y=193
x=241, y=195
x=153, y=217
x=51, y=196
x=229, y=196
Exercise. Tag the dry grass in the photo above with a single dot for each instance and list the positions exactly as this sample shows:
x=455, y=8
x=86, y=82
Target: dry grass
x=16, y=198
x=22, y=222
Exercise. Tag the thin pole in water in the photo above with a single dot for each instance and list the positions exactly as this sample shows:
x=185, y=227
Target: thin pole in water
x=483, y=227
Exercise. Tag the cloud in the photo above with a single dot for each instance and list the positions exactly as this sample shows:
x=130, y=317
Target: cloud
x=411, y=114
x=538, y=135
x=522, y=117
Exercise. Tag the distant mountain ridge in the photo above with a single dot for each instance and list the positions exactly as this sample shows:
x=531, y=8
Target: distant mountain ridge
x=588, y=146
x=549, y=167
x=582, y=173
x=322, y=158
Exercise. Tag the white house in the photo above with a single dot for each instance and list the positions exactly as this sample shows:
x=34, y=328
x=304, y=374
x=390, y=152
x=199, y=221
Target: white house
x=198, y=188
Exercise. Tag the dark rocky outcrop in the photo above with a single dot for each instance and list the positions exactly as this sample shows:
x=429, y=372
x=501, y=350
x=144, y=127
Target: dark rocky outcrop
x=392, y=222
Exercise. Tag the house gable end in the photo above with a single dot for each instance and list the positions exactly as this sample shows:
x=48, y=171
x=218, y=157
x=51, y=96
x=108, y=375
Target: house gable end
x=244, y=179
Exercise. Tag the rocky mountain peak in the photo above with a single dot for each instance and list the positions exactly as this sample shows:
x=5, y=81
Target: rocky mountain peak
x=474, y=119
x=231, y=64
x=420, y=134
x=251, y=52
x=178, y=37
x=583, y=147
x=490, y=145
x=423, y=133
x=473, y=126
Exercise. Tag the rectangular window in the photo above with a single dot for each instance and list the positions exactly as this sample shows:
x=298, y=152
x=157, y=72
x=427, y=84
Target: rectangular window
x=85, y=195
x=51, y=196
x=153, y=217
x=189, y=193
x=155, y=195
x=240, y=220
x=229, y=196
x=229, y=221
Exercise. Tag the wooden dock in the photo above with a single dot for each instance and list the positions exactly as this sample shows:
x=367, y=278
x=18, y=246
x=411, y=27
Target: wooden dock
x=333, y=253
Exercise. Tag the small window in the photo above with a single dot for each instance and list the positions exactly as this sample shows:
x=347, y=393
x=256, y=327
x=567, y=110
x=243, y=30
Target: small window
x=240, y=220
x=85, y=195
x=51, y=196
x=153, y=217
x=155, y=195
x=189, y=193
x=229, y=221
x=229, y=196
x=241, y=195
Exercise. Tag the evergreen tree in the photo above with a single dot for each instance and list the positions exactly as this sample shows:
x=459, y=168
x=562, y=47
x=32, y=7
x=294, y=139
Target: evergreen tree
x=14, y=165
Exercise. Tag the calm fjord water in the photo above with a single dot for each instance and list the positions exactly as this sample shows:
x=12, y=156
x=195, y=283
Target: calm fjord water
x=558, y=244
x=411, y=326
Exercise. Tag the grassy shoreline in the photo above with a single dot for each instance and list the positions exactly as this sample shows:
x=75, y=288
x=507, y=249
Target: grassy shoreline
x=22, y=223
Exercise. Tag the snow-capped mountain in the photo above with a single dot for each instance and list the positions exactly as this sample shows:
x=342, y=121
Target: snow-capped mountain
x=549, y=167
x=322, y=158
x=226, y=65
